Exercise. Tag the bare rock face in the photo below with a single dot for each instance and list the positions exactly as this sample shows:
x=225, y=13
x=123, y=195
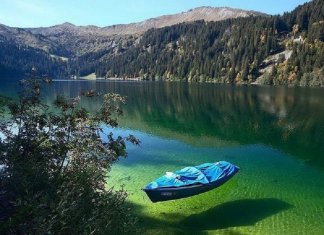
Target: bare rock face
x=201, y=13
x=25, y=38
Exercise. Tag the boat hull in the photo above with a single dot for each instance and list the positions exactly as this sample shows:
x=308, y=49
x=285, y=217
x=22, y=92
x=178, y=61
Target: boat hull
x=172, y=193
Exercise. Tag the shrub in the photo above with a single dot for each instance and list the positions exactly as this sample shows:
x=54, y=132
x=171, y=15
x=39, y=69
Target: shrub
x=55, y=166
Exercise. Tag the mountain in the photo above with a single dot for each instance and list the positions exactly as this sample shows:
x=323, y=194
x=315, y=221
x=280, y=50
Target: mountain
x=67, y=49
x=200, y=13
x=92, y=38
x=203, y=44
x=21, y=50
x=23, y=37
x=276, y=50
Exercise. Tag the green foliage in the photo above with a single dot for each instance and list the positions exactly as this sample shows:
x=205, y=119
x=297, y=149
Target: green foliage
x=56, y=165
x=315, y=78
x=231, y=51
x=305, y=15
x=18, y=60
x=220, y=52
x=304, y=66
x=3, y=101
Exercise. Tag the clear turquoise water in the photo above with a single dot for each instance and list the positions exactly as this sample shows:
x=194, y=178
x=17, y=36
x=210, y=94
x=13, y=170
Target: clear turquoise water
x=272, y=194
x=274, y=135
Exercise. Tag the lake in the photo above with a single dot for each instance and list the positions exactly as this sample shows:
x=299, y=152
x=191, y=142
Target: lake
x=274, y=134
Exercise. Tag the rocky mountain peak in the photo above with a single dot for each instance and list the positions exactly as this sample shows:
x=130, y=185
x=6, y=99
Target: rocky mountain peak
x=201, y=13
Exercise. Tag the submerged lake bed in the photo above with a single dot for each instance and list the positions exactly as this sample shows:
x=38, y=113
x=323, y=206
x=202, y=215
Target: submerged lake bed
x=274, y=134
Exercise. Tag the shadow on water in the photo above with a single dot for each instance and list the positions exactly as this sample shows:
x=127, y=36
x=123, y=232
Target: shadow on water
x=245, y=212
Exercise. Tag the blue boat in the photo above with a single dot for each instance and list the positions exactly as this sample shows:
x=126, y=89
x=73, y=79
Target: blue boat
x=190, y=181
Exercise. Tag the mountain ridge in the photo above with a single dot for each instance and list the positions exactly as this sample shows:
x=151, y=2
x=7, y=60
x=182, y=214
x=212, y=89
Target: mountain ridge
x=233, y=50
x=70, y=41
x=200, y=13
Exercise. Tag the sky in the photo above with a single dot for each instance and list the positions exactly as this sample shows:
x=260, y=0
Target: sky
x=42, y=13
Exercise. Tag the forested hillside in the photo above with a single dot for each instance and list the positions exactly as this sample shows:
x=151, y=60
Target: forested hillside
x=18, y=60
x=258, y=49
x=284, y=49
